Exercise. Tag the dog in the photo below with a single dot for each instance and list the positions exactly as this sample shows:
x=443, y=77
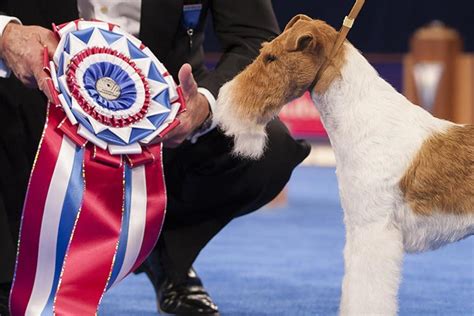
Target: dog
x=406, y=178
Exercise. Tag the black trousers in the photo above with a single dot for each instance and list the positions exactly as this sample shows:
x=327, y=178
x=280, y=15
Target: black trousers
x=7, y=247
x=207, y=187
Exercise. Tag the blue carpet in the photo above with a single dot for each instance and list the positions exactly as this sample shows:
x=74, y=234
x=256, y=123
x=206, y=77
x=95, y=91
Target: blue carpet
x=288, y=261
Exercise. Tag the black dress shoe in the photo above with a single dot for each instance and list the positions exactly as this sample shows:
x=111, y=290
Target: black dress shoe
x=186, y=297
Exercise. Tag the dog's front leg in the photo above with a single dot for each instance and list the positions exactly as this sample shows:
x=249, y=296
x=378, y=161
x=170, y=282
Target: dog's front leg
x=373, y=258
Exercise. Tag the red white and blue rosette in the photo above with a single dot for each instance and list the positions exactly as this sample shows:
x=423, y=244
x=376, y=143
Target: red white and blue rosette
x=116, y=89
x=96, y=198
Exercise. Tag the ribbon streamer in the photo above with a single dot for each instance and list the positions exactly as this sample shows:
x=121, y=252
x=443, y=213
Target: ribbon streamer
x=96, y=198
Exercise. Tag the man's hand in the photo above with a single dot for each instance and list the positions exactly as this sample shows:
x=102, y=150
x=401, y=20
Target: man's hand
x=197, y=109
x=21, y=47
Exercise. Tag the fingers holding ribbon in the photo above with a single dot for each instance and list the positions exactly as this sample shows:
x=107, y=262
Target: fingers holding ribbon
x=44, y=84
x=197, y=109
x=21, y=47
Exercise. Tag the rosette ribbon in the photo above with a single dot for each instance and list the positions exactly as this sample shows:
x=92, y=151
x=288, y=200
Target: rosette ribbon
x=96, y=198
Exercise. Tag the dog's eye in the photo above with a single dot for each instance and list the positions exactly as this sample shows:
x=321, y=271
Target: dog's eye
x=269, y=58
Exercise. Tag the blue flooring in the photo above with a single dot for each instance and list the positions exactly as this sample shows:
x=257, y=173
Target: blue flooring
x=288, y=261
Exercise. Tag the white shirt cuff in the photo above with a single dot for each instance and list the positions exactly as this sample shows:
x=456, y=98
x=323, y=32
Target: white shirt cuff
x=210, y=98
x=4, y=20
x=212, y=105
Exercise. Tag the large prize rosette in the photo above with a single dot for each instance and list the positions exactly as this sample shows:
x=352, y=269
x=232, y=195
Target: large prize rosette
x=96, y=198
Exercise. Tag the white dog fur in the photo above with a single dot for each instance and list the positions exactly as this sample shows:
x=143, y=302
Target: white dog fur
x=376, y=133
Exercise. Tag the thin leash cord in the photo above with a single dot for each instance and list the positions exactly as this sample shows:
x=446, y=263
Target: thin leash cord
x=342, y=35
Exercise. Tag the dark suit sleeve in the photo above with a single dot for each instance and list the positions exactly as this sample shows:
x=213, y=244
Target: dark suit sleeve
x=241, y=26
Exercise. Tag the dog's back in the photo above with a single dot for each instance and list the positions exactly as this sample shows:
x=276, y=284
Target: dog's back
x=441, y=177
x=439, y=189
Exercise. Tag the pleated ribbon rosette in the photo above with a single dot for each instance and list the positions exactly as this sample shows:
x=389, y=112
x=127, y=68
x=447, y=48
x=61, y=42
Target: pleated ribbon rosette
x=96, y=198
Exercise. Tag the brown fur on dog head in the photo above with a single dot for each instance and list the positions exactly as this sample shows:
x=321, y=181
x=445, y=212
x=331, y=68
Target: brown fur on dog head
x=283, y=71
x=285, y=68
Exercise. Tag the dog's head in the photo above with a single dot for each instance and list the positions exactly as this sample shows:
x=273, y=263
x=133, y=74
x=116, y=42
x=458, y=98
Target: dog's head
x=283, y=71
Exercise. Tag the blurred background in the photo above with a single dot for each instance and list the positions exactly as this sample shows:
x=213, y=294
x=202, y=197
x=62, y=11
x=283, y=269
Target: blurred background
x=383, y=26
x=287, y=258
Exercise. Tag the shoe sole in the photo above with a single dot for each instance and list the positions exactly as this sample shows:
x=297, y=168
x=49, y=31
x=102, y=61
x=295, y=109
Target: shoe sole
x=192, y=314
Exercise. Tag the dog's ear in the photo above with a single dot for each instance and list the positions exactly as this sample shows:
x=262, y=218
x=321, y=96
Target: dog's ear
x=299, y=42
x=295, y=19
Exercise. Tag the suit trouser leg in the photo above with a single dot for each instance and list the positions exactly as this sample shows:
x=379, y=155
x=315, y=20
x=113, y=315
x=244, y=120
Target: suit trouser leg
x=7, y=247
x=22, y=118
x=208, y=187
x=193, y=239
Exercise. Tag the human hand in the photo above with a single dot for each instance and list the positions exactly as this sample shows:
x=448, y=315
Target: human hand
x=197, y=109
x=21, y=47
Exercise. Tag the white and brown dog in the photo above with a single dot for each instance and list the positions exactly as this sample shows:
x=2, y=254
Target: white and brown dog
x=406, y=178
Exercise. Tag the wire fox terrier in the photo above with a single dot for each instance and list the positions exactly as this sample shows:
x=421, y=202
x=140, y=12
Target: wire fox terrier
x=406, y=178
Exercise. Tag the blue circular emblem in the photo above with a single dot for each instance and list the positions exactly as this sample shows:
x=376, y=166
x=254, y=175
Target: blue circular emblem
x=110, y=86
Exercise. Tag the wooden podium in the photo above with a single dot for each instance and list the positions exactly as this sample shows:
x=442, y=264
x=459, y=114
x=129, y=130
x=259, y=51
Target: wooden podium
x=438, y=75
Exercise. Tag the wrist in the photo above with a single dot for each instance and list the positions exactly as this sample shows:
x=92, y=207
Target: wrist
x=8, y=28
x=7, y=23
x=206, y=112
x=206, y=124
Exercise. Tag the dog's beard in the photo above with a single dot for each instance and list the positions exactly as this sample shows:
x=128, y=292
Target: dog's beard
x=250, y=138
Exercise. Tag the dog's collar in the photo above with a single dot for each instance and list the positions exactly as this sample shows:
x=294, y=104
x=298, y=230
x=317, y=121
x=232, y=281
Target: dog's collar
x=342, y=35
